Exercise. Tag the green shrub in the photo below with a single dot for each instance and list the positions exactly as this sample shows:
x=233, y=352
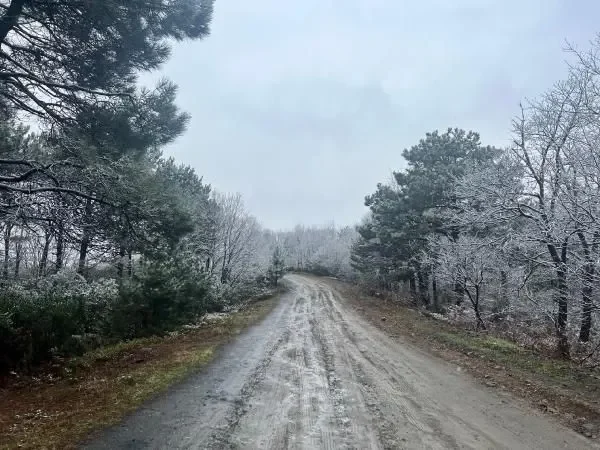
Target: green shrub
x=65, y=315
x=39, y=319
x=159, y=298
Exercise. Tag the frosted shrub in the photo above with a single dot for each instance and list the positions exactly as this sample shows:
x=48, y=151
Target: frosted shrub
x=160, y=298
x=46, y=317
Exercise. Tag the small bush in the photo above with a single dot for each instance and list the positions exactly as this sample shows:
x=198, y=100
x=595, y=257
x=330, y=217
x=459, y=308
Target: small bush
x=39, y=319
x=160, y=298
x=64, y=315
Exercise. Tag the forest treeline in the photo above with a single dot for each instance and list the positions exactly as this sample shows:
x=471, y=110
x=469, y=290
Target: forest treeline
x=103, y=237
x=504, y=238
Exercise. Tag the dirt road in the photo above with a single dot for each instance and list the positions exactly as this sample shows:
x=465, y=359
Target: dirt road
x=314, y=375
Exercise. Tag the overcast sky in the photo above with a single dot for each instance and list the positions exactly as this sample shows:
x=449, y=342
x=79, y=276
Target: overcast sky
x=304, y=106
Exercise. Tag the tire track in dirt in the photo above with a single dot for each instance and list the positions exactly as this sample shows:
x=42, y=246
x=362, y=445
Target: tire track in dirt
x=315, y=375
x=314, y=407
x=399, y=403
x=405, y=389
x=387, y=396
x=241, y=404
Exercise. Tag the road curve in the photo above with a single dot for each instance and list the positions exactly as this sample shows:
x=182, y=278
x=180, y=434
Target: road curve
x=314, y=375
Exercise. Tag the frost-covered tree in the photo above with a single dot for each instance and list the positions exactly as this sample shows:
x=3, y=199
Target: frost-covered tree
x=404, y=212
x=470, y=262
x=324, y=250
x=237, y=237
x=277, y=266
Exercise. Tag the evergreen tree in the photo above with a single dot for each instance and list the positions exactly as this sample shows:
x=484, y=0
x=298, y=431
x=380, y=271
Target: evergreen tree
x=61, y=57
x=276, y=269
x=404, y=213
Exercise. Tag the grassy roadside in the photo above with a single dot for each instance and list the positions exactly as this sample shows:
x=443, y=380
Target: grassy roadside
x=64, y=404
x=560, y=388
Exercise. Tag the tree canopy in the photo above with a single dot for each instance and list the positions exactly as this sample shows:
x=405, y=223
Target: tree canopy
x=58, y=59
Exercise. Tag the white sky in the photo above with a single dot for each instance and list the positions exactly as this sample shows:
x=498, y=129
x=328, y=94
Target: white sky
x=304, y=106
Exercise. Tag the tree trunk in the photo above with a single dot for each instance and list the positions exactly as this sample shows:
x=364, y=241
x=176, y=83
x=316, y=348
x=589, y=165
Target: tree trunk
x=83, y=249
x=85, y=238
x=10, y=18
x=588, y=287
x=434, y=293
x=120, y=263
x=561, y=319
x=129, y=263
x=45, y=251
x=423, y=286
x=224, y=266
x=18, y=249
x=7, y=232
x=480, y=324
x=60, y=243
x=560, y=264
x=412, y=285
x=459, y=288
x=459, y=293
x=586, y=300
x=504, y=288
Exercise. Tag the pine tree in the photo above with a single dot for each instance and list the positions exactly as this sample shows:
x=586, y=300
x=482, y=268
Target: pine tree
x=276, y=269
x=61, y=57
x=404, y=213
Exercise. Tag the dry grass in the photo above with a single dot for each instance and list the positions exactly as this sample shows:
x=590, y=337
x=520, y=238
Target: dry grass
x=61, y=406
x=554, y=386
